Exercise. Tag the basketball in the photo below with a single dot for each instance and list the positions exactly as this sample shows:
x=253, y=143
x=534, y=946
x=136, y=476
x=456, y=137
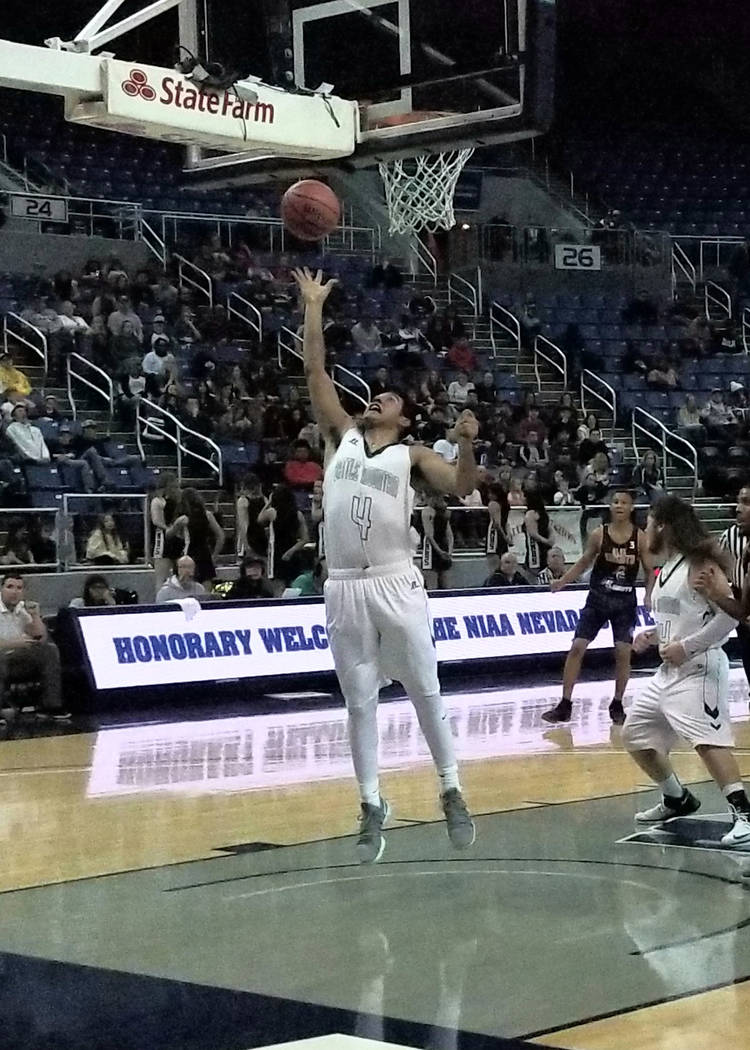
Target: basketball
x=310, y=210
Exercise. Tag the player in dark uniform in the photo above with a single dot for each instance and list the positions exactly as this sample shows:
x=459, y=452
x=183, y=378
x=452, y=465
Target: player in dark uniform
x=616, y=551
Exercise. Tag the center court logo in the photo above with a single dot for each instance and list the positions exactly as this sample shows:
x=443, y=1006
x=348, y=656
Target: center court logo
x=137, y=86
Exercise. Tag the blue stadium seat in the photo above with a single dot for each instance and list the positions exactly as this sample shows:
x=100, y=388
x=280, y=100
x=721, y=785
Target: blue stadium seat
x=45, y=477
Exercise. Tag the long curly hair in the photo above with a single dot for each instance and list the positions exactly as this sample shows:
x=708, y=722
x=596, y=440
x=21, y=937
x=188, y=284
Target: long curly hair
x=685, y=532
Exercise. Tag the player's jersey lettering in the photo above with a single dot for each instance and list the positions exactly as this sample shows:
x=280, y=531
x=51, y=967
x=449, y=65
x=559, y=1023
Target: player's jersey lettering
x=367, y=501
x=678, y=609
x=616, y=567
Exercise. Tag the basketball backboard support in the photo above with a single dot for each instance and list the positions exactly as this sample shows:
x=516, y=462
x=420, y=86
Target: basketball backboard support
x=427, y=75
x=240, y=113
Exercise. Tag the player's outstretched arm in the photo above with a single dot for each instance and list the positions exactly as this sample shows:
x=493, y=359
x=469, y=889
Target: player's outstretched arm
x=459, y=479
x=584, y=563
x=329, y=413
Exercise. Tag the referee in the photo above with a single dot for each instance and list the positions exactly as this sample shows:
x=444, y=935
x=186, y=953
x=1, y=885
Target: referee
x=736, y=540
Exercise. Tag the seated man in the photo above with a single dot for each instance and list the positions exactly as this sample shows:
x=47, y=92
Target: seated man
x=555, y=566
x=27, y=440
x=252, y=582
x=182, y=584
x=507, y=574
x=63, y=451
x=25, y=648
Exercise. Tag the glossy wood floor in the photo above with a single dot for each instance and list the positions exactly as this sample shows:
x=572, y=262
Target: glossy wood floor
x=78, y=805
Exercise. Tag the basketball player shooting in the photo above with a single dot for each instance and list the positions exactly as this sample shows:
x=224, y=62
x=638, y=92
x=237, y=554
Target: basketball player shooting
x=376, y=605
x=695, y=612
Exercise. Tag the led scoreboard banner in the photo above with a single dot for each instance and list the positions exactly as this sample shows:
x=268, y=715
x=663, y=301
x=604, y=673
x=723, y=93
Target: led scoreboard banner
x=131, y=647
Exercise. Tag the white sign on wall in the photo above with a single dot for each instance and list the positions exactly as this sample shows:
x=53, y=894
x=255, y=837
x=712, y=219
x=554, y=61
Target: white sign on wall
x=160, y=646
x=33, y=206
x=578, y=257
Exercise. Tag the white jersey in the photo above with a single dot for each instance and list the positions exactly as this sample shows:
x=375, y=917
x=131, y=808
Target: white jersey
x=678, y=609
x=367, y=504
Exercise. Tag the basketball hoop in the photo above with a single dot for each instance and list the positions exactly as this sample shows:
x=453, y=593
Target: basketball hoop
x=419, y=190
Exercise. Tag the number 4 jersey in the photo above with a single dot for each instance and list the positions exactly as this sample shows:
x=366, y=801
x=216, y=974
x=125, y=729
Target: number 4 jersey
x=680, y=612
x=367, y=504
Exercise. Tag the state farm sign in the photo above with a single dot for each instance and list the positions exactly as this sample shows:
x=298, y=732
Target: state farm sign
x=162, y=104
x=177, y=92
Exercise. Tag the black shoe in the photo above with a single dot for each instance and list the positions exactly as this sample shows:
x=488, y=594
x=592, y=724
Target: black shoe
x=559, y=713
x=669, y=808
x=617, y=712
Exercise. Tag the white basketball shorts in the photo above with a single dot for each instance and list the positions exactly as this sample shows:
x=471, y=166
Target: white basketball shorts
x=689, y=701
x=379, y=629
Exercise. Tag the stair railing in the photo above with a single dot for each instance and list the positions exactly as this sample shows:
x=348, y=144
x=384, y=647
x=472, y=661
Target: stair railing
x=502, y=320
x=166, y=426
x=194, y=277
x=594, y=387
x=27, y=333
x=682, y=267
x=643, y=425
x=96, y=379
x=718, y=298
x=240, y=307
x=551, y=354
x=288, y=342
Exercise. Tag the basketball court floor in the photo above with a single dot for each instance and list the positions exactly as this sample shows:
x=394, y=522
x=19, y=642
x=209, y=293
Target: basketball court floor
x=189, y=882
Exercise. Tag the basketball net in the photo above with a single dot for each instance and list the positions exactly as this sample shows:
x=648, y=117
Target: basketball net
x=419, y=190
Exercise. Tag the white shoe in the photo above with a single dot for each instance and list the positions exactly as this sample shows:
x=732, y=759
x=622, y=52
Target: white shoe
x=662, y=812
x=739, y=835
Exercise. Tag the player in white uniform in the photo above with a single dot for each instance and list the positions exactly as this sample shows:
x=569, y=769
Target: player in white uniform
x=687, y=696
x=376, y=605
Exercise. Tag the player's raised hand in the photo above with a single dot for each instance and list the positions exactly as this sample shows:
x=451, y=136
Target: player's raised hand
x=312, y=286
x=467, y=426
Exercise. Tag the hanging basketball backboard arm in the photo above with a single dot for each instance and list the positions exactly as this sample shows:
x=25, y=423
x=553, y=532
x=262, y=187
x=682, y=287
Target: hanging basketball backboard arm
x=94, y=36
x=162, y=103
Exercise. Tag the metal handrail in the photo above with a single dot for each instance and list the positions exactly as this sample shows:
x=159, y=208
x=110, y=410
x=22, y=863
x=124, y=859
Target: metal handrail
x=107, y=392
x=714, y=294
x=666, y=435
x=368, y=394
x=40, y=351
x=586, y=376
x=142, y=424
x=681, y=262
x=556, y=359
x=291, y=348
x=422, y=254
x=255, y=320
x=502, y=318
x=471, y=297
x=205, y=288
x=746, y=328
x=282, y=343
x=152, y=240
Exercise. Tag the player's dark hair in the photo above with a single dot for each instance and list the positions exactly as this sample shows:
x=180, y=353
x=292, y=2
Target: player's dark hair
x=10, y=576
x=686, y=532
x=408, y=407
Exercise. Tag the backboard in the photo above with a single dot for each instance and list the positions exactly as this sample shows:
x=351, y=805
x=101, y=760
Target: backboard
x=423, y=71
x=427, y=75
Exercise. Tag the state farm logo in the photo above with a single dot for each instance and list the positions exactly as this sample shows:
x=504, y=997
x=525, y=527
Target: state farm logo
x=137, y=86
x=180, y=94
